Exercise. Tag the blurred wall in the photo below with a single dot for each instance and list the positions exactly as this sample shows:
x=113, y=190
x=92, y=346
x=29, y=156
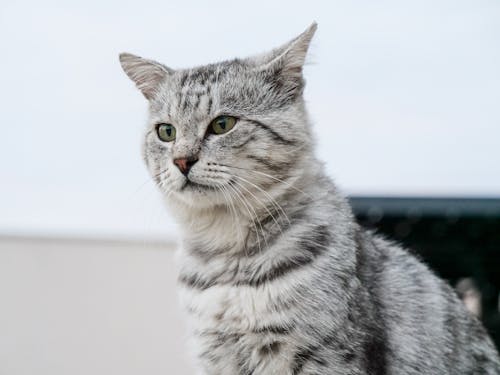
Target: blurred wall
x=71, y=307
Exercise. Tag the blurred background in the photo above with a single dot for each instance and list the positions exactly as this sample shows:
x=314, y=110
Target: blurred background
x=404, y=97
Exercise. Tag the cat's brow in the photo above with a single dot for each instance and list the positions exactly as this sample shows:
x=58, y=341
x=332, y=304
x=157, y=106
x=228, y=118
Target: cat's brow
x=201, y=76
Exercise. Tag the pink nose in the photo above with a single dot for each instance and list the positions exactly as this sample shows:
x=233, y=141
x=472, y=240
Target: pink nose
x=185, y=164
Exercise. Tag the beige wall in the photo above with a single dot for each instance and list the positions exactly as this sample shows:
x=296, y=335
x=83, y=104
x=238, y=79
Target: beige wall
x=89, y=307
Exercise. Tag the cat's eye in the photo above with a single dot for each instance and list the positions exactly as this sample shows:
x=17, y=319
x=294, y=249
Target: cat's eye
x=222, y=124
x=166, y=132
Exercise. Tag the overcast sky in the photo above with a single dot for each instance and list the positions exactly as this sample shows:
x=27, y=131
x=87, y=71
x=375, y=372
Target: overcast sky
x=404, y=96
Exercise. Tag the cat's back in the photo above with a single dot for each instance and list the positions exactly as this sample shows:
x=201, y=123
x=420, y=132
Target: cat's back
x=426, y=328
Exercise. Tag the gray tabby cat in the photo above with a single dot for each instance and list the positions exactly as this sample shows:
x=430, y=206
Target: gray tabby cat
x=275, y=274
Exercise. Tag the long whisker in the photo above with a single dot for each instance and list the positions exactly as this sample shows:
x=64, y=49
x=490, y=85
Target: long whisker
x=246, y=205
x=256, y=217
x=232, y=210
x=228, y=197
x=275, y=204
x=233, y=189
x=262, y=204
x=249, y=208
x=271, y=199
x=155, y=176
x=229, y=203
x=269, y=176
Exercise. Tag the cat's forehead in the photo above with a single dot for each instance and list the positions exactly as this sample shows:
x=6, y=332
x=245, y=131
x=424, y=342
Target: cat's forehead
x=199, y=92
x=206, y=75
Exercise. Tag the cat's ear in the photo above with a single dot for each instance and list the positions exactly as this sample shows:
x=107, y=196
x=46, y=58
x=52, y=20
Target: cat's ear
x=288, y=60
x=146, y=74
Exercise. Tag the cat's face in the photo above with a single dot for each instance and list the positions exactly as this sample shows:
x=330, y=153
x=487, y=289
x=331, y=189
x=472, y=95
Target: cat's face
x=227, y=132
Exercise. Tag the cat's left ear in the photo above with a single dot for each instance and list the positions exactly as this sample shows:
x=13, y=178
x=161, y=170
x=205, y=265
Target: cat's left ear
x=147, y=74
x=288, y=60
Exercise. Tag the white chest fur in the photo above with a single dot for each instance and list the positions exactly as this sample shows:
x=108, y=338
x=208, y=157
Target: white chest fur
x=235, y=308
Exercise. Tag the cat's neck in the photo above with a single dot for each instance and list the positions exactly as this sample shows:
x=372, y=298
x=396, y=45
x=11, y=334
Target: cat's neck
x=239, y=227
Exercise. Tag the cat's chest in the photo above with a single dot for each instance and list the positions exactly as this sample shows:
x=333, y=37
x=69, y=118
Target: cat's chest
x=238, y=308
x=218, y=295
x=234, y=325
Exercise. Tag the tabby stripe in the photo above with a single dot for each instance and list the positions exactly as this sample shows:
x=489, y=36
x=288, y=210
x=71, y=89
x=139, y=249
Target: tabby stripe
x=183, y=79
x=375, y=349
x=251, y=138
x=310, y=353
x=269, y=165
x=277, y=137
x=277, y=330
x=178, y=97
x=375, y=346
x=279, y=167
x=281, y=269
x=317, y=242
x=306, y=354
x=198, y=76
x=220, y=337
x=198, y=98
x=184, y=106
x=209, y=105
x=244, y=368
x=196, y=282
x=273, y=348
x=309, y=250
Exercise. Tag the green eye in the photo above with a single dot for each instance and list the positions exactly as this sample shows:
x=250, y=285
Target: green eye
x=166, y=132
x=222, y=124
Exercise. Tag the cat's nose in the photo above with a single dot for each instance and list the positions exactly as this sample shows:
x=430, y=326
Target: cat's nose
x=185, y=164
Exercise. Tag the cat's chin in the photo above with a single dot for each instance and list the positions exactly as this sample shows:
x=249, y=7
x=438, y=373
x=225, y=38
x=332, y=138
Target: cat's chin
x=192, y=195
x=190, y=185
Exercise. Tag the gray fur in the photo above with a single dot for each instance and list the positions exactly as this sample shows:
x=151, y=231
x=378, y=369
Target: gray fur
x=274, y=272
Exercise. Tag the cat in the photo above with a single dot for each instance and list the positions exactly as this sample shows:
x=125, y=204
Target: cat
x=275, y=274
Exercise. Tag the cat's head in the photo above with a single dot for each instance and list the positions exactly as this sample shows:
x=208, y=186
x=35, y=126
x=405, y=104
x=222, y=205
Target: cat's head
x=229, y=131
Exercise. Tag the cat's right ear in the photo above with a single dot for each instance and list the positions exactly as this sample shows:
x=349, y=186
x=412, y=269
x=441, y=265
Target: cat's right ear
x=292, y=55
x=146, y=74
x=284, y=64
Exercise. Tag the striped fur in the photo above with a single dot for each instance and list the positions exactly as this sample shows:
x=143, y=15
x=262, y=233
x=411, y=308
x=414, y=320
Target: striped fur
x=274, y=272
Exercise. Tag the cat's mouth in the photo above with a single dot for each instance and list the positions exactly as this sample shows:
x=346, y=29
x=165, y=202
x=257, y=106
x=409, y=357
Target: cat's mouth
x=190, y=184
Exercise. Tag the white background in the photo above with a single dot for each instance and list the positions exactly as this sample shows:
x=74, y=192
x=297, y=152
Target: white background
x=404, y=95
